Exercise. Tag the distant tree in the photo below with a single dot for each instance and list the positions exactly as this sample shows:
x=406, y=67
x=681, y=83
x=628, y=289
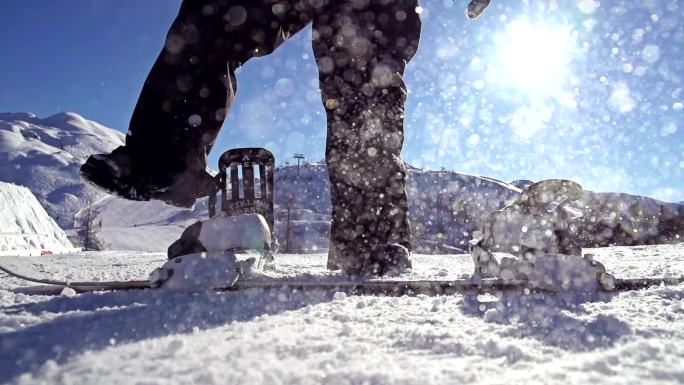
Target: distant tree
x=288, y=225
x=88, y=227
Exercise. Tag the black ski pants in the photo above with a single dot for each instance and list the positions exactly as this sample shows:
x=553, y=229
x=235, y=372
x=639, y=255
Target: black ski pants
x=361, y=48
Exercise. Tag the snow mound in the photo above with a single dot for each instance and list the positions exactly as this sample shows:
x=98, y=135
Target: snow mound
x=24, y=224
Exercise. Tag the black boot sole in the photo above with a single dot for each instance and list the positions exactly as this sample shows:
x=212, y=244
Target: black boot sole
x=98, y=173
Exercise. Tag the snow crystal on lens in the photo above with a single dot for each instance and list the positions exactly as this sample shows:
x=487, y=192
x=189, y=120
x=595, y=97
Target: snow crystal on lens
x=588, y=6
x=284, y=87
x=668, y=129
x=651, y=53
x=195, y=120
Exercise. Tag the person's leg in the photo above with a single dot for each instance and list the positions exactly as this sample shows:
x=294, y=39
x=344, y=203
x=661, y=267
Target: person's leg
x=362, y=49
x=190, y=88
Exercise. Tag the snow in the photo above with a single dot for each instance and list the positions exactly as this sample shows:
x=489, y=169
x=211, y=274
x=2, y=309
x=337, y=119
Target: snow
x=445, y=207
x=68, y=292
x=236, y=232
x=45, y=155
x=199, y=272
x=24, y=224
x=142, y=226
x=282, y=337
x=149, y=238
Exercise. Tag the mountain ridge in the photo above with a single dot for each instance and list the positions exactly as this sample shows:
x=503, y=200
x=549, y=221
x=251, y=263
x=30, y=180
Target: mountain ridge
x=45, y=155
x=445, y=207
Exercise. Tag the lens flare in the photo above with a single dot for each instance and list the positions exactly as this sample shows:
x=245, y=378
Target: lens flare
x=535, y=58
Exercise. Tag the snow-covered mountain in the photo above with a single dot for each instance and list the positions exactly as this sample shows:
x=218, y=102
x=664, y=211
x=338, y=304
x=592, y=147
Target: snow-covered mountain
x=625, y=219
x=445, y=206
x=45, y=155
x=24, y=223
x=521, y=183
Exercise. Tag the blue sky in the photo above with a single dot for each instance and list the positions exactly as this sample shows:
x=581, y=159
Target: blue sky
x=534, y=89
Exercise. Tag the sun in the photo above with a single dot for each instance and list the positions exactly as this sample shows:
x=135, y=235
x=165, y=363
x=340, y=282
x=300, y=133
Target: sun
x=534, y=57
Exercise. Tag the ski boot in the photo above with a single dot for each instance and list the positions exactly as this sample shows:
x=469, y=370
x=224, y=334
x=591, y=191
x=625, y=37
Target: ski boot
x=116, y=173
x=567, y=273
x=392, y=261
x=200, y=272
x=204, y=257
x=486, y=265
x=476, y=8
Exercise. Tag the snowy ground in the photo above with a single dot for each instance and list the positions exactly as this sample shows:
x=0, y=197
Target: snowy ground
x=256, y=337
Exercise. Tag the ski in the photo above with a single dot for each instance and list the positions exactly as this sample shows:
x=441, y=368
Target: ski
x=82, y=286
x=437, y=287
x=384, y=287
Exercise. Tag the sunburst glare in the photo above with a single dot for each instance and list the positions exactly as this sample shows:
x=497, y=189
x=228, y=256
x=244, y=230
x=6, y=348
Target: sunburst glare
x=534, y=57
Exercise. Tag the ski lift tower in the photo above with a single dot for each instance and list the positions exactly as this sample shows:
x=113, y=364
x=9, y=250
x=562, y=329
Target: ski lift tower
x=299, y=157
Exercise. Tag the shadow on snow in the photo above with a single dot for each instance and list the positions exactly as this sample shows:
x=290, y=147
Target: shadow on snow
x=553, y=319
x=95, y=321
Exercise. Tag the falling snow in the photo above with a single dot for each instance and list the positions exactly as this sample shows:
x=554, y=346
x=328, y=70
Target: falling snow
x=418, y=129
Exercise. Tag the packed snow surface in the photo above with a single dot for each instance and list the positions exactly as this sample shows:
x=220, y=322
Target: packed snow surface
x=24, y=223
x=319, y=337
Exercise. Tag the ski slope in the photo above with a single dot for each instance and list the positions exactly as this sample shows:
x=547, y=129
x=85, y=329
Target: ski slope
x=281, y=337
